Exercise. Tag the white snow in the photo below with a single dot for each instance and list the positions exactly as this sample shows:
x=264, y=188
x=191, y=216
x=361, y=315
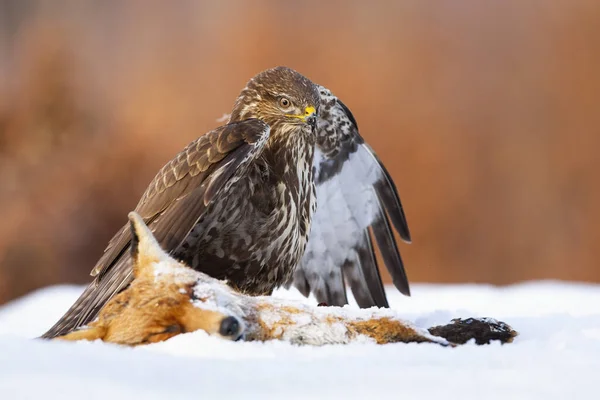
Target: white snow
x=556, y=355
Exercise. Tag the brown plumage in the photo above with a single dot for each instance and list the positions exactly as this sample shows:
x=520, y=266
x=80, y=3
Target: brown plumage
x=240, y=202
x=234, y=203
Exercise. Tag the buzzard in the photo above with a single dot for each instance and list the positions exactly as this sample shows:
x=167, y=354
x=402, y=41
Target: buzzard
x=285, y=193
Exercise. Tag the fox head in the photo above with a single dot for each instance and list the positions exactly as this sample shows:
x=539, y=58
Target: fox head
x=164, y=299
x=214, y=305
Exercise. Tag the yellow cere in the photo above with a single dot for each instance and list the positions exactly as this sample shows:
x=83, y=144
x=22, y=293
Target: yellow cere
x=308, y=111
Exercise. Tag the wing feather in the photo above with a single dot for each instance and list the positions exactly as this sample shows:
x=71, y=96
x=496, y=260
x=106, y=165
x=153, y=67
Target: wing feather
x=388, y=196
x=370, y=271
x=362, y=275
x=386, y=242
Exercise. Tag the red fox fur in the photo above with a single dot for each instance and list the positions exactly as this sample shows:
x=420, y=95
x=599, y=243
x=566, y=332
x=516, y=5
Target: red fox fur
x=167, y=298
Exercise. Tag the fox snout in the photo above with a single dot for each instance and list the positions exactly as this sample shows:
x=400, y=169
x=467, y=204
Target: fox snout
x=231, y=328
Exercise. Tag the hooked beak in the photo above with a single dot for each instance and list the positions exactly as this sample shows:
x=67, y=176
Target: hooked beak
x=309, y=117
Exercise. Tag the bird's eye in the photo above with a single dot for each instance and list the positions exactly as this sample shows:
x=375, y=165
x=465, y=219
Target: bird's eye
x=285, y=103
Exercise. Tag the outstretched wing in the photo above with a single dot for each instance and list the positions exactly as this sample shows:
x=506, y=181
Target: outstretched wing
x=357, y=207
x=171, y=206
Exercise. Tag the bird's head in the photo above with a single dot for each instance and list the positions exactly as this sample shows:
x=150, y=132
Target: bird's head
x=283, y=98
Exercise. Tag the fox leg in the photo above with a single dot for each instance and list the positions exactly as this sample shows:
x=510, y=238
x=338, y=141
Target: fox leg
x=482, y=330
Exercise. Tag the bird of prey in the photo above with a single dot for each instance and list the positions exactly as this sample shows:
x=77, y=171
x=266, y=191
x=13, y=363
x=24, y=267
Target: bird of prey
x=285, y=193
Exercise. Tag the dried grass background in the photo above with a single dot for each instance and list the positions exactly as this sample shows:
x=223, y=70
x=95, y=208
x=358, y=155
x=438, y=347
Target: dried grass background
x=487, y=114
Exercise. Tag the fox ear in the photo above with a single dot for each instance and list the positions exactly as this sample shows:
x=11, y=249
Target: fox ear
x=145, y=250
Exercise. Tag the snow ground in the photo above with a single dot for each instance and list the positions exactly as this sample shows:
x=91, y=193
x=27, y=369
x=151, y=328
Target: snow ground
x=556, y=355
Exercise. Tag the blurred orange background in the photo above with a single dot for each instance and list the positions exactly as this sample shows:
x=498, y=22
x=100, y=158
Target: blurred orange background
x=486, y=114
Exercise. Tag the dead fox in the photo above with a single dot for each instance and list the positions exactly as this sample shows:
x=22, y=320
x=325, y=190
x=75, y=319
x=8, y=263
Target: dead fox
x=167, y=298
